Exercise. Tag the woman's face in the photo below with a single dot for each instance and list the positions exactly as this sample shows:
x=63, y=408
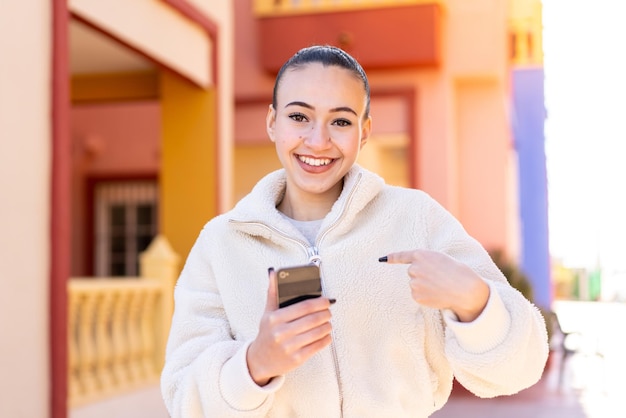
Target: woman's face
x=318, y=127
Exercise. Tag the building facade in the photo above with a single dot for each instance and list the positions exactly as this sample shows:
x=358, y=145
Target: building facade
x=122, y=121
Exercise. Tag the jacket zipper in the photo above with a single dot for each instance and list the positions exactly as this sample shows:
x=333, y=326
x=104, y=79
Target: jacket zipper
x=314, y=257
x=301, y=243
x=318, y=243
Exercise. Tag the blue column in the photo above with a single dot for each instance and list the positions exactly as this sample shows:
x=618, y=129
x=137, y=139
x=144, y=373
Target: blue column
x=528, y=130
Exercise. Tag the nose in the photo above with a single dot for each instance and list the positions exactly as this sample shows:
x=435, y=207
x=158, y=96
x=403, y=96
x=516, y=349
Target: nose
x=319, y=137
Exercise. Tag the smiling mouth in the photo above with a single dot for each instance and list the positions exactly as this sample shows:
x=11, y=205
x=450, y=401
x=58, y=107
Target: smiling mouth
x=315, y=162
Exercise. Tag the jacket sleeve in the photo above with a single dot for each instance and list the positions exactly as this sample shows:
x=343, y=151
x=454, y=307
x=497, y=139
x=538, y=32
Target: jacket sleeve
x=505, y=349
x=205, y=372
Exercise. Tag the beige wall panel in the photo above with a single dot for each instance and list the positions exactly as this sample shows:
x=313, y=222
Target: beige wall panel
x=25, y=143
x=157, y=30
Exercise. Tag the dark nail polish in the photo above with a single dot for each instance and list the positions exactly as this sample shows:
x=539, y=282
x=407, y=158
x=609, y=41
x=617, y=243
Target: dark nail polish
x=332, y=300
x=383, y=259
x=269, y=270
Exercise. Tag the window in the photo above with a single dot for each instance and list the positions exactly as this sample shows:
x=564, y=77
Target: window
x=125, y=224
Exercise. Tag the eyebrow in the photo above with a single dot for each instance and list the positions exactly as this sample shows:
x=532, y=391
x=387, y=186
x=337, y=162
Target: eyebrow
x=334, y=109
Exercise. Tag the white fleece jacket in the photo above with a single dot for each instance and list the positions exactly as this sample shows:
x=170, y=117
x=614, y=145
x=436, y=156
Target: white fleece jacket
x=390, y=357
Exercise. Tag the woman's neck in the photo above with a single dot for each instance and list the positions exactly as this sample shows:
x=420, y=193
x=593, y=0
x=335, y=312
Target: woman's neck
x=307, y=207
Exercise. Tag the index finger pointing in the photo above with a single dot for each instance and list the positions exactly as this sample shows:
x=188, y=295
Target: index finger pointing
x=402, y=257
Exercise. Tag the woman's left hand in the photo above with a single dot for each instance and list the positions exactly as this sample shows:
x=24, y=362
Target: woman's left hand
x=439, y=281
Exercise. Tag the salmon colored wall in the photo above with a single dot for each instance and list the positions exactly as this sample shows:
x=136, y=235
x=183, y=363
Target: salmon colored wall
x=110, y=140
x=115, y=138
x=477, y=38
x=429, y=120
x=484, y=147
x=479, y=70
x=251, y=82
x=391, y=45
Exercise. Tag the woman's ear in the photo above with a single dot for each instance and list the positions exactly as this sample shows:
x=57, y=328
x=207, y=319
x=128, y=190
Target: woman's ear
x=270, y=122
x=366, y=130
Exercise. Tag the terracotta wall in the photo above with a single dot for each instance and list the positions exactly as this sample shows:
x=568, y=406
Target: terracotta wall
x=110, y=141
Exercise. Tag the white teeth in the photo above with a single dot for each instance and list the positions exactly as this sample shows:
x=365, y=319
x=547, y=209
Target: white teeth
x=315, y=161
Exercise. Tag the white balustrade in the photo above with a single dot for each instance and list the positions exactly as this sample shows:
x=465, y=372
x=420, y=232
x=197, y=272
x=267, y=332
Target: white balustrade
x=117, y=327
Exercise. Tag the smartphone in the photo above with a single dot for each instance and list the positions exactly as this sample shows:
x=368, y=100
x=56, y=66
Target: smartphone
x=298, y=283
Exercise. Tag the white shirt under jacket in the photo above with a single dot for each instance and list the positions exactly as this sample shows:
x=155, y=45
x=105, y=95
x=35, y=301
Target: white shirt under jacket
x=390, y=357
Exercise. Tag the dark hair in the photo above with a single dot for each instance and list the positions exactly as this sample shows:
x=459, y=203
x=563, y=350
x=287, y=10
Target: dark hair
x=326, y=55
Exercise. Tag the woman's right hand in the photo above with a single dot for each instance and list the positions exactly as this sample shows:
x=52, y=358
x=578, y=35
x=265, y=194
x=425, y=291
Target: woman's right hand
x=288, y=336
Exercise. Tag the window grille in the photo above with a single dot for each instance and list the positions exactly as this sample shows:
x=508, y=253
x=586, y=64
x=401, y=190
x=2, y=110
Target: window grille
x=126, y=221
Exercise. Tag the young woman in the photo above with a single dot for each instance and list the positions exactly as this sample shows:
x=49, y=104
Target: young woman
x=409, y=299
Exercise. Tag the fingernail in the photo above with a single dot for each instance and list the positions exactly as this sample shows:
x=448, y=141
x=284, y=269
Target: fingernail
x=332, y=300
x=270, y=270
x=383, y=259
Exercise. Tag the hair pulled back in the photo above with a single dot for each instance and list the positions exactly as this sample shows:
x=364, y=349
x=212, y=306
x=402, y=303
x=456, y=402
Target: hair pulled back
x=326, y=55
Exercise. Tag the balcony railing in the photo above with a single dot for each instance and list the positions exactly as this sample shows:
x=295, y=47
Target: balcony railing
x=286, y=7
x=117, y=327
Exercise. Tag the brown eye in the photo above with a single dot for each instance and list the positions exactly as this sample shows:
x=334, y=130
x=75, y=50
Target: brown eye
x=342, y=122
x=298, y=117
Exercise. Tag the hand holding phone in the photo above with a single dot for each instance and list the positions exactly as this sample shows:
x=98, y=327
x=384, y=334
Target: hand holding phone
x=269, y=356
x=298, y=283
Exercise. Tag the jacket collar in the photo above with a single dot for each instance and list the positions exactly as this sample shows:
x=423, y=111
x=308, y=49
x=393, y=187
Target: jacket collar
x=257, y=210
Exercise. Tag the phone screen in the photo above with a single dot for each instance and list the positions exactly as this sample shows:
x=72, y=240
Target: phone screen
x=298, y=283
